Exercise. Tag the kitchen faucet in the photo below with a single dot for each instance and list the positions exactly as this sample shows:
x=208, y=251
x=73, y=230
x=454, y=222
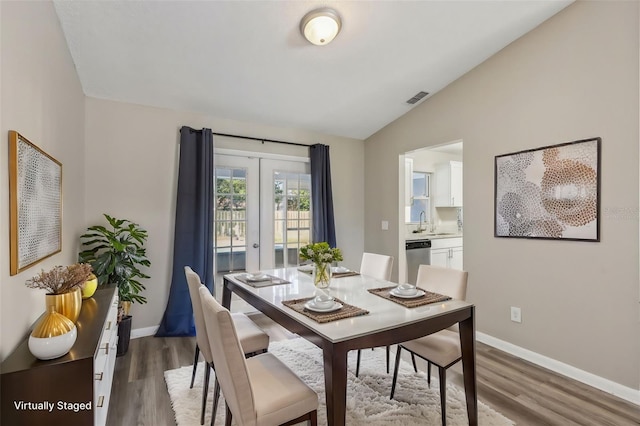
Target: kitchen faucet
x=422, y=215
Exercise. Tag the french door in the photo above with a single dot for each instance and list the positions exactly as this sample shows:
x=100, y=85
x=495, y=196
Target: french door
x=263, y=213
x=286, y=214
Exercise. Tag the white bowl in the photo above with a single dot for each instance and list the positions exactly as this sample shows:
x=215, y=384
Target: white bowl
x=256, y=276
x=323, y=301
x=406, y=289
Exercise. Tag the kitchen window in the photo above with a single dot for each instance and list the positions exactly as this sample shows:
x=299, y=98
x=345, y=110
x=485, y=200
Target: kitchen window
x=421, y=197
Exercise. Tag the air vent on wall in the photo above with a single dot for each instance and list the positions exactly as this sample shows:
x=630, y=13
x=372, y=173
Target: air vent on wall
x=417, y=97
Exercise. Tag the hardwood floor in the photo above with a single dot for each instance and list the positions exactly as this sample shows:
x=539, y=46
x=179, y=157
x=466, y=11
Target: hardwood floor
x=525, y=393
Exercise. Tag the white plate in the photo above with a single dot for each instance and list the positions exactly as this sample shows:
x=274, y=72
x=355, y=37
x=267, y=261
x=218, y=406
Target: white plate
x=257, y=277
x=419, y=293
x=310, y=306
x=339, y=270
x=305, y=268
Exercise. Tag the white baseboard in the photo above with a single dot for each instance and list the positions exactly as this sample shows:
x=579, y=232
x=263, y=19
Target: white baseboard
x=621, y=391
x=144, y=332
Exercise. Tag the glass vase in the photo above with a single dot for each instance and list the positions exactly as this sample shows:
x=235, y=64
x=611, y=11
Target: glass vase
x=322, y=275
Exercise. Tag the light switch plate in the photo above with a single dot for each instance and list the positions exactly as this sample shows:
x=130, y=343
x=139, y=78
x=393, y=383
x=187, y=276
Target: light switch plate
x=516, y=314
x=385, y=225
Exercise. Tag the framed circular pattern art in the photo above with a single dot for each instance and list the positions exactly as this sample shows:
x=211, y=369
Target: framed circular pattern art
x=551, y=192
x=35, y=199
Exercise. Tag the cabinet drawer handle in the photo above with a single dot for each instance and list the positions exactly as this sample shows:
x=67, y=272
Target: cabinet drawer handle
x=100, y=401
x=108, y=325
x=99, y=376
x=106, y=348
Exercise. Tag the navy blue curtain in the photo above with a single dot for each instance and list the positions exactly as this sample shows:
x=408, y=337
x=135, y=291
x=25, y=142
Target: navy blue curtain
x=324, y=228
x=193, y=240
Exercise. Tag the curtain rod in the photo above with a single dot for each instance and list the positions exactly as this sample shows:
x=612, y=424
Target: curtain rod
x=260, y=139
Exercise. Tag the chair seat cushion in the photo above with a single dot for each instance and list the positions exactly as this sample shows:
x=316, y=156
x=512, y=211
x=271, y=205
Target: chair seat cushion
x=278, y=393
x=252, y=338
x=441, y=348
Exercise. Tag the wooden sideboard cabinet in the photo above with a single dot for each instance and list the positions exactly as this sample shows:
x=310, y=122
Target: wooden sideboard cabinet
x=75, y=387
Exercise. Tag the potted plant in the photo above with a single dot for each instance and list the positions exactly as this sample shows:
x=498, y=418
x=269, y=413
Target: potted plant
x=322, y=256
x=116, y=254
x=64, y=287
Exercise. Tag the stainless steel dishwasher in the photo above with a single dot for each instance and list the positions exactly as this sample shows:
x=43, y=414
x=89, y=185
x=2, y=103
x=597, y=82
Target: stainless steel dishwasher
x=418, y=253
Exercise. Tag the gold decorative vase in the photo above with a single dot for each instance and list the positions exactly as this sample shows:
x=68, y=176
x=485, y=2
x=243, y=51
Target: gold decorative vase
x=67, y=304
x=322, y=275
x=53, y=335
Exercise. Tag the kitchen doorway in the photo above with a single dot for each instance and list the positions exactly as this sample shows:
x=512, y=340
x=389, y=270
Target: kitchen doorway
x=436, y=208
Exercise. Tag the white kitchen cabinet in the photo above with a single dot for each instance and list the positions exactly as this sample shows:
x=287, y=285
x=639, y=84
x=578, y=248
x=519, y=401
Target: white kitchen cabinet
x=440, y=257
x=447, y=252
x=449, y=184
x=455, y=261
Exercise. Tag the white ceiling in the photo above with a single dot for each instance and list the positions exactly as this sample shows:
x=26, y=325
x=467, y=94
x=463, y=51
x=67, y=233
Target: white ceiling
x=246, y=60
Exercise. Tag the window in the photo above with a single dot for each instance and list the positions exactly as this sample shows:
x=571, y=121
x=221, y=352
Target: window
x=420, y=200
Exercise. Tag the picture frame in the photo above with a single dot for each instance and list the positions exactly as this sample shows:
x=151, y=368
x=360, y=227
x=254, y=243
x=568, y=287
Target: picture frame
x=552, y=192
x=35, y=204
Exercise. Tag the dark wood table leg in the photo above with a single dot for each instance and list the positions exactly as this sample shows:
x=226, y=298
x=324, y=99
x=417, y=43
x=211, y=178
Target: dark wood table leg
x=335, y=383
x=468, y=348
x=226, y=295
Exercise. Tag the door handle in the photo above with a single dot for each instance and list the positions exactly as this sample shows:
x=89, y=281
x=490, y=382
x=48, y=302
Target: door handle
x=256, y=245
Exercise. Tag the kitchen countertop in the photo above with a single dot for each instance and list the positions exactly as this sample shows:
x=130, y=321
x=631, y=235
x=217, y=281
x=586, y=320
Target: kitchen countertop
x=433, y=236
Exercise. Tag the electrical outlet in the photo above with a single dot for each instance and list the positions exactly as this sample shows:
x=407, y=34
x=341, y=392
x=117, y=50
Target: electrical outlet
x=516, y=314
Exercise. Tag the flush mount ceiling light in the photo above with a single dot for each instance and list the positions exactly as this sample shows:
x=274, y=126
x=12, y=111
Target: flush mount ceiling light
x=320, y=26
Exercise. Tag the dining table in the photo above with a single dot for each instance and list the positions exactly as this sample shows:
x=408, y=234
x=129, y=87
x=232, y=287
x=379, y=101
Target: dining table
x=379, y=322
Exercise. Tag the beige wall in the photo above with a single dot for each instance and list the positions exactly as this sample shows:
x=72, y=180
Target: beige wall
x=42, y=99
x=575, y=76
x=132, y=164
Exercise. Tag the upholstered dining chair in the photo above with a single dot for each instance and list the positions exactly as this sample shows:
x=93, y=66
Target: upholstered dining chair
x=377, y=266
x=252, y=339
x=260, y=390
x=441, y=348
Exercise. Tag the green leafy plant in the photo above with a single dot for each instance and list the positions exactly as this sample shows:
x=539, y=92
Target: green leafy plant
x=116, y=255
x=320, y=253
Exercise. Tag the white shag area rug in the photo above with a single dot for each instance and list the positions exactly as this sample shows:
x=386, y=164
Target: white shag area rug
x=368, y=402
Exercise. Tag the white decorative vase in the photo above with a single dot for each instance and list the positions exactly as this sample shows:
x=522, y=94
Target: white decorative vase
x=53, y=336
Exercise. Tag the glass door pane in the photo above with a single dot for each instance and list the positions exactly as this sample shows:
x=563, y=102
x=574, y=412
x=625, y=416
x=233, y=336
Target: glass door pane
x=233, y=211
x=286, y=212
x=292, y=195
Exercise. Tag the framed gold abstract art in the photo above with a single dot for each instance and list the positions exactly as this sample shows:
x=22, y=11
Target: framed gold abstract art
x=35, y=199
x=551, y=192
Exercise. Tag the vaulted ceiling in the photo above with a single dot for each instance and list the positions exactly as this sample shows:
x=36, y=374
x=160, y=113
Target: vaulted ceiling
x=247, y=60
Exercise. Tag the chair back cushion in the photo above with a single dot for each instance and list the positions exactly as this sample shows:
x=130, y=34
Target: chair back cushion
x=194, y=283
x=447, y=281
x=228, y=360
x=378, y=266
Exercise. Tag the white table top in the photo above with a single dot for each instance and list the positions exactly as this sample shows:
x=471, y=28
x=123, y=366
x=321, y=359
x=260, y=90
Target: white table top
x=383, y=314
